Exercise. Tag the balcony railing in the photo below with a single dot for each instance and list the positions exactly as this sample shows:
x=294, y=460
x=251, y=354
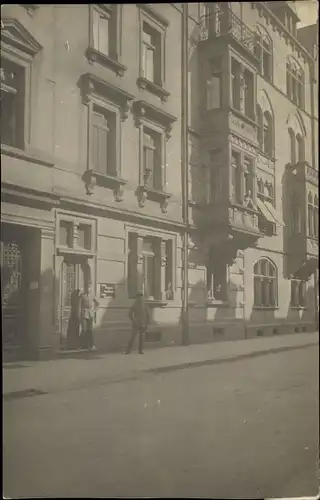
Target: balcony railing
x=221, y=23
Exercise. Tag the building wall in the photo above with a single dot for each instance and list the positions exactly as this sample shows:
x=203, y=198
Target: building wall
x=56, y=158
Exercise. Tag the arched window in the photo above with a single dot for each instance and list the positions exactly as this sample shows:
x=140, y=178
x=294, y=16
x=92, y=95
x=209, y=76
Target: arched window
x=265, y=283
x=316, y=216
x=260, y=126
x=295, y=214
x=300, y=144
x=292, y=142
x=263, y=52
x=267, y=133
x=295, y=83
x=310, y=216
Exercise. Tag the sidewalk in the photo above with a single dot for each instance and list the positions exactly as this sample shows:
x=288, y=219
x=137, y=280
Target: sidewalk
x=94, y=368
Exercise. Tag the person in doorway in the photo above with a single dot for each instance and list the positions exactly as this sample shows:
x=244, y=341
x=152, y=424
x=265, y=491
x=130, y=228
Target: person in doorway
x=73, y=333
x=89, y=306
x=139, y=316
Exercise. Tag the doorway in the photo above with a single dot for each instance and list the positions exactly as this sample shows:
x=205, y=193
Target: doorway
x=75, y=274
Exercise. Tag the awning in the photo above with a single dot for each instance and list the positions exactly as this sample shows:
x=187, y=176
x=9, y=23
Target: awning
x=269, y=212
x=265, y=212
x=274, y=214
x=308, y=268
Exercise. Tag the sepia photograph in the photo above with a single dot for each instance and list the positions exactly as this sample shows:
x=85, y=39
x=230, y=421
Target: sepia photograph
x=160, y=250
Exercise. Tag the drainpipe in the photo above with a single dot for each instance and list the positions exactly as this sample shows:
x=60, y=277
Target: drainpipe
x=313, y=145
x=184, y=173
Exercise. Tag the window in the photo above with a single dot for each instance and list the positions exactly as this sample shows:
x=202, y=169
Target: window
x=65, y=233
x=214, y=95
x=300, y=145
x=260, y=126
x=103, y=141
x=265, y=284
x=316, y=216
x=267, y=134
x=248, y=93
x=235, y=87
x=12, y=104
x=84, y=236
x=295, y=83
x=104, y=29
x=216, y=279
x=152, y=159
x=263, y=52
x=296, y=214
x=248, y=176
x=150, y=266
x=236, y=178
x=292, y=143
x=298, y=293
x=313, y=216
x=151, y=54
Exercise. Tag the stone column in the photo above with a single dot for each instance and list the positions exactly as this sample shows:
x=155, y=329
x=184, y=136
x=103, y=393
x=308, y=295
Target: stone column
x=163, y=260
x=46, y=323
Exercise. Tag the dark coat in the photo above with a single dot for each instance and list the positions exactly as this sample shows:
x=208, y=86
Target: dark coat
x=139, y=313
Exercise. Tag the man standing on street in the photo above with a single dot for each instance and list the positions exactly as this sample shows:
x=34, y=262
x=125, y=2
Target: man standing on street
x=89, y=306
x=139, y=316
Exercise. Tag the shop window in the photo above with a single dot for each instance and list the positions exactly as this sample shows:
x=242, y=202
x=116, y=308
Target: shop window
x=248, y=94
x=235, y=84
x=300, y=145
x=265, y=284
x=296, y=214
x=216, y=279
x=292, y=144
x=263, y=52
x=298, y=293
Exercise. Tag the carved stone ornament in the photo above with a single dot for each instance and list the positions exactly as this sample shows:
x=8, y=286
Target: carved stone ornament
x=242, y=144
x=142, y=196
x=164, y=206
x=119, y=193
x=90, y=182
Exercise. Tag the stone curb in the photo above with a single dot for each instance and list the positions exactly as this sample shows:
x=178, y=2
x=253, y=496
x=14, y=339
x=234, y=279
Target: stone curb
x=136, y=374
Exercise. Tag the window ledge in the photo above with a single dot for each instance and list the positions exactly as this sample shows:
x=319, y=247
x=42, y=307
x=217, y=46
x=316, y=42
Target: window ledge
x=75, y=251
x=92, y=178
x=244, y=117
x=299, y=308
x=267, y=156
x=145, y=84
x=217, y=303
x=265, y=308
x=94, y=55
x=144, y=192
x=156, y=302
x=27, y=155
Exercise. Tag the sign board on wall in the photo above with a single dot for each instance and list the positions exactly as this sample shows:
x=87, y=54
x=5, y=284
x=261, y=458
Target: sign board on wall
x=107, y=290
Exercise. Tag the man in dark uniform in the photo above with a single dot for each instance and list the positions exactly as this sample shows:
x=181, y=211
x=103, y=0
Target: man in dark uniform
x=139, y=315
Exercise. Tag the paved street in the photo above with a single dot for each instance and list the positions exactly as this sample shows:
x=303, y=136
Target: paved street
x=243, y=429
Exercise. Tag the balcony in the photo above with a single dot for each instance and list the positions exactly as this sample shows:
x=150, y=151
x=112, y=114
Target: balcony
x=226, y=25
x=304, y=172
x=230, y=226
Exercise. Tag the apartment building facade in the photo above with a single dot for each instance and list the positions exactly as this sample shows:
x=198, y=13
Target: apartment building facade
x=92, y=176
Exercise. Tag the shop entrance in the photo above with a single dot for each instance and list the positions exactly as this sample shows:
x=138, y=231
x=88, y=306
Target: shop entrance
x=75, y=274
x=14, y=240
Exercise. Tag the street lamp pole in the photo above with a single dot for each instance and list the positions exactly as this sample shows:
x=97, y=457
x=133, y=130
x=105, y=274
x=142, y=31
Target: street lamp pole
x=184, y=173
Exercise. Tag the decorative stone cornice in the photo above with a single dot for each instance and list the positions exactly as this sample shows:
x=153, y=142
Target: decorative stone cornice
x=93, y=85
x=243, y=144
x=144, y=110
x=14, y=34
